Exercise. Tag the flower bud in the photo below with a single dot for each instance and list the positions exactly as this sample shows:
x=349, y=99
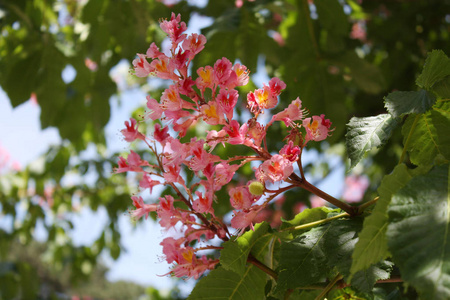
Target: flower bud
x=256, y=188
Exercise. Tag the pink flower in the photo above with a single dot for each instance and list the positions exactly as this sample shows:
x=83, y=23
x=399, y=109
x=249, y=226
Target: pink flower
x=244, y=219
x=141, y=66
x=214, y=137
x=294, y=112
x=148, y=183
x=164, y=68
x=194, y=44
x=265, y=99
x=276, y=169
x=227, y=99
x=223, y=71
x=240, y=197
x=153, y=52
x=223, y=174
x=170, y=99
x=237, y=135
x=203, y=204
x=155, y=109
x=256, y=131
x=142, y=209
x=171, y=247
x=290, y=152
x=131, y=132
x=212, y=113
x=318, y=129
x=276, y=85
x=241, y=74
x=132, y=163
x=160, y=134
x=174, y=29
x=355, y=187
x=205, y=78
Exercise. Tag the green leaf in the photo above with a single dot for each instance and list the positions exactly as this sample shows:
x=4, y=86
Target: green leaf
x=419, y=233
x=402, y=103
x=442, y=88
x=339, y=244
x=437, y=66
x=234, y=255
x=364, y=280
x=372, y=244
x=426, y=135
x=307, y=216
x=363, y=134
x=224, y=284
x=21, y=80
x=302, y=261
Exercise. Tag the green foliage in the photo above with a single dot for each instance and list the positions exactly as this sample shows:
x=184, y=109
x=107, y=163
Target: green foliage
x=399, y=104
x=234, y=255
x=366, y=133
x=426, y=135
x=372, y=245
x=223, y=284
x=423, y=254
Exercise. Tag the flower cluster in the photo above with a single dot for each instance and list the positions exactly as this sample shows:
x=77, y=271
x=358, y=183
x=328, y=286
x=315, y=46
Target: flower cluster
x=210, y=97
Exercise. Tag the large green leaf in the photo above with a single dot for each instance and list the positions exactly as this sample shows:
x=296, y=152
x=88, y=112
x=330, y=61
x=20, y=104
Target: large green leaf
x=402, y=103
x=437, y=66
x=419, y=233
x=224, y=284
x=234, y=255
x=426, y=135
x=307, y=216
x=372, y=244
x=363, y=134
x=442, y=88
x=338, y=245
x=302, y=260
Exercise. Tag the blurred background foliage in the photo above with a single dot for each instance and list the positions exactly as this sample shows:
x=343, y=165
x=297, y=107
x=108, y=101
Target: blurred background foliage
x=341, y=57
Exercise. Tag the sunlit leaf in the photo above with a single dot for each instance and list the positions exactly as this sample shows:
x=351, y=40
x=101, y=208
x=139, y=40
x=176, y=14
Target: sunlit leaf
x=363, y=134
x=418, y=233
x=402, y=103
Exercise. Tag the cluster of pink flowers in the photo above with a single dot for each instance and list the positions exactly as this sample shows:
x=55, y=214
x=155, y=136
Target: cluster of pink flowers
x=210, y=97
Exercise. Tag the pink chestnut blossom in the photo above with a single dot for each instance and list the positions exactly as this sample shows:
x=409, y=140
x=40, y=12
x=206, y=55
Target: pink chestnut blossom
x=277, y=168
x=245, y=218
x=205, y=78
x=153, y=52
x=148, y=183
x=237, y=135
x=242, y=74
x=203, y=204
x=174, y=29
x=131, y=132
x=293, y=112
x=223, y=71
x=318, y=129
x=227, y=99
x=194, y=44
x=240, y=197
x=142, y=209
x=155, y=111
x=160, y=134
x=276, y=86
x=290, y=152
x=141, y=66
x=132, y=163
